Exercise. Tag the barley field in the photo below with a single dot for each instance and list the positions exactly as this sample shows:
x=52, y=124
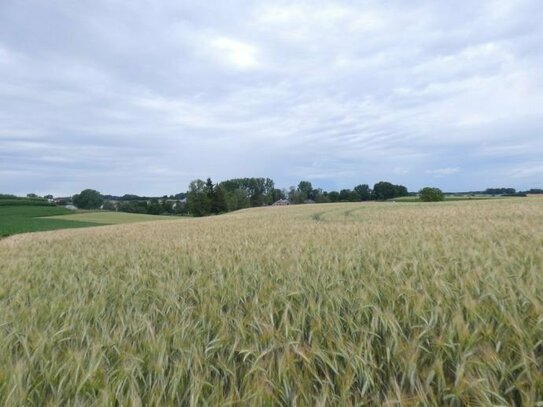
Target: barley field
x=110, y=218
x=312, y=305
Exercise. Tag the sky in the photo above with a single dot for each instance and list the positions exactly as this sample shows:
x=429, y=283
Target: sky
x=144, y=96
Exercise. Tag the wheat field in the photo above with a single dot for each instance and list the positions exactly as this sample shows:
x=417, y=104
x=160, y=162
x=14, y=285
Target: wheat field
x=314, y=305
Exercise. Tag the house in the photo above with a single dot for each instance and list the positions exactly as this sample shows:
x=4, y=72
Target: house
x=281, y=202
x=309, y=201
x=61, y=201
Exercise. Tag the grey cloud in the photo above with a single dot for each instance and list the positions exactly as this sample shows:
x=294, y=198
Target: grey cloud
x=142, y=97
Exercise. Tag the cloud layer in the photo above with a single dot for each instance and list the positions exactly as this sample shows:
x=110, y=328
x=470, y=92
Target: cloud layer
x=142, y=97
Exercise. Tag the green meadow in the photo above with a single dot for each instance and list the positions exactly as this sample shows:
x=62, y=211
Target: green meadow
x=22, y=218
x=25, y=218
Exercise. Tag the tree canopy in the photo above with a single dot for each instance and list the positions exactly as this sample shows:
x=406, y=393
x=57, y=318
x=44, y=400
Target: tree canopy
x=385, y=190
x=500, y=191
x=88, y=199
x=429, y=194
x=198, y=199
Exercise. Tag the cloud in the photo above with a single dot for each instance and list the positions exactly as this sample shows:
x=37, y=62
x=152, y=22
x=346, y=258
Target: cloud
x=130, y=98
x=442, y=172
x=528, y=170
x=235, y=53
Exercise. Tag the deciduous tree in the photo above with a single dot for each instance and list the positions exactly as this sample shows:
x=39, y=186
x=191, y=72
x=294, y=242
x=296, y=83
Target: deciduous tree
x=429, y=194
x=88, y=199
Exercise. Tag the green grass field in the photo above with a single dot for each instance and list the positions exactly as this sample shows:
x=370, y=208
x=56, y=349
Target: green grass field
x=26, y=218
x=372, y=304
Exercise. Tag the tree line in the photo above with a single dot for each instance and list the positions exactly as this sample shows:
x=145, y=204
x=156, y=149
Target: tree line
x=206, y=198
x=92, y=199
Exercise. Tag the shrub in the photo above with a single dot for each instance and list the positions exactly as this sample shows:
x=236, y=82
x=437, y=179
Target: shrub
x=430, y=194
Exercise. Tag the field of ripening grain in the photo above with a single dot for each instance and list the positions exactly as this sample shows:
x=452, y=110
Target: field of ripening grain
x=331, y=304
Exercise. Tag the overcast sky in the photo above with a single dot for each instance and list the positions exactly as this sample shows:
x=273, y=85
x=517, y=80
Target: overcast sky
x=129, y=96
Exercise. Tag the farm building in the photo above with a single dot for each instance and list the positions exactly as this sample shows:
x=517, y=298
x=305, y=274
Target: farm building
x=281, y=202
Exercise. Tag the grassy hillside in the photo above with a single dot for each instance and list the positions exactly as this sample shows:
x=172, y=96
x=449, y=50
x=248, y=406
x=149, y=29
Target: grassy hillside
x=339, y=304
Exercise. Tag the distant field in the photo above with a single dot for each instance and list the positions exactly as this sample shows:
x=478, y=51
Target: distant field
x=111, y=218
x=311, y=305
x=25, y=218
